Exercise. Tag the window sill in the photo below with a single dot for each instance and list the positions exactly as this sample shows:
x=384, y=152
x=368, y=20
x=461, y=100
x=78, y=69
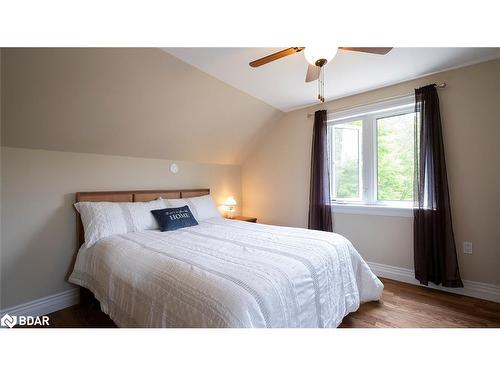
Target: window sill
x=364, y=209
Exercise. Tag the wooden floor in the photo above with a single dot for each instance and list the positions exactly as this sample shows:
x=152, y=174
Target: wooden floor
x=411, y=306
x=402, y=305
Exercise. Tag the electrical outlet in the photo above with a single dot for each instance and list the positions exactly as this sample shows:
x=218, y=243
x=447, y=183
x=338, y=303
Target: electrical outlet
x=467, y=247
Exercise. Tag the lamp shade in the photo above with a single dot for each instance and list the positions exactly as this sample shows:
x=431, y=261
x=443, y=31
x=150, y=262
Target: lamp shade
x=313, y=54
x=230, y=201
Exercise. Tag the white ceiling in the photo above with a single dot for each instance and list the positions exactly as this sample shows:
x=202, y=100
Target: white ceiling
x=281, y=83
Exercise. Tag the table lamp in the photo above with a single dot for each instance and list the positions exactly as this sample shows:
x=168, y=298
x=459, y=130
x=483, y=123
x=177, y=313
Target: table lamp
x=230, y=204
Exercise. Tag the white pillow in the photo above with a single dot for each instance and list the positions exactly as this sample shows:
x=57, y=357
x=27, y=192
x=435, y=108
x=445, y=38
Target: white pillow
x=141, y=214
x=103, y=219
x=174, y=203
x=203, y=207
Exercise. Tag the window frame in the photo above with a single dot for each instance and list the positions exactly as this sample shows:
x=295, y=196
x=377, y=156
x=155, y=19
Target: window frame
x=331, y=158
x=369, y=114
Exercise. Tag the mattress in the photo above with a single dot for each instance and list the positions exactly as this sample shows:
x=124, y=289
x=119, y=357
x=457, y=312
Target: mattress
x=226, y=273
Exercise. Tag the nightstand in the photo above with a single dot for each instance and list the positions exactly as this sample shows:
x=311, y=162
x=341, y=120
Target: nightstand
x=245, y=218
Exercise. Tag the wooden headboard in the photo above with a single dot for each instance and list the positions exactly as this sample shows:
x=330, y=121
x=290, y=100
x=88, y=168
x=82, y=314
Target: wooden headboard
x=129, y=196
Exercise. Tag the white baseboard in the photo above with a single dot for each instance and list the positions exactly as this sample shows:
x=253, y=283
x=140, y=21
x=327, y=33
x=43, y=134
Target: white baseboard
x=476, y=289
x=45, y=305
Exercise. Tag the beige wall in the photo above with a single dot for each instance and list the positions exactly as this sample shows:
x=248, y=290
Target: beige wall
x=125, y=101
x=86, y=105
x=143, y=103
x=38, y=222
x=275, y=177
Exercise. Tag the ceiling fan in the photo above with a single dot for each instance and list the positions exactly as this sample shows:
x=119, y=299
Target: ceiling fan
x=317, y=59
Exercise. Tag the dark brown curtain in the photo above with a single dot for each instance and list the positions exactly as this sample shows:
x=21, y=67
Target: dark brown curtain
x=434, y=244
x=320, y=211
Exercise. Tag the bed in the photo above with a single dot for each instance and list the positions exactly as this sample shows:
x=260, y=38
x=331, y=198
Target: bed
x=222, y=273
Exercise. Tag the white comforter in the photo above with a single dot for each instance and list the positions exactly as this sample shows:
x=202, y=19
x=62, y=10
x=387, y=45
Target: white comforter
x=226, y=273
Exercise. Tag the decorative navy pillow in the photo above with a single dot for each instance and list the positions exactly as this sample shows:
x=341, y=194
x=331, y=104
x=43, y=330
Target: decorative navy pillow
x=174, y=218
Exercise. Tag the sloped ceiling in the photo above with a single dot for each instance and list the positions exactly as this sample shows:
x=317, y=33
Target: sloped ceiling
x=139, y=102
x=281, y=83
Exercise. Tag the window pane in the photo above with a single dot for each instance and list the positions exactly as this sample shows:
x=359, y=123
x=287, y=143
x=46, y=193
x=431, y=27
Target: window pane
x=395, y=157
x=346, y=160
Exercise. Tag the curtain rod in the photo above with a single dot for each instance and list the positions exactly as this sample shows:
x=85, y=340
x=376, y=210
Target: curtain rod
x=438, y=85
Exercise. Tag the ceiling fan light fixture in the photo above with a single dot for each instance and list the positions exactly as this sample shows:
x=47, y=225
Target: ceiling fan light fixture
x=319, y=56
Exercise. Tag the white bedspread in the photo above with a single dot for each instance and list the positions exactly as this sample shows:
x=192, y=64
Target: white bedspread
x=226, y=273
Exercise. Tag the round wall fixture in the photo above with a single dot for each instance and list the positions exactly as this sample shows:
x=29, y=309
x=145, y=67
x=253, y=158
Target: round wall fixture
x=174, y=168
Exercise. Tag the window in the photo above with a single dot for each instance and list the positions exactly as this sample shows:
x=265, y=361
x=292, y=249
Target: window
x=372, y=155
x=395, y=157
x=346, y=159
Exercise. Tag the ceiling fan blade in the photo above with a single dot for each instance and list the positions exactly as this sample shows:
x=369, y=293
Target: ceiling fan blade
x=275, y=56
x=312, y=73
x=375, y=50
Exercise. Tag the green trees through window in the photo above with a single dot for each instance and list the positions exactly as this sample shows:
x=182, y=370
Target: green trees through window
x=388, y=163
x=395, y=157
x=347, y=160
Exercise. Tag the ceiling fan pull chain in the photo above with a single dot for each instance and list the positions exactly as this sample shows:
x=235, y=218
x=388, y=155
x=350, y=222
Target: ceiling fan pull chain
x=322, y=84
x=319, y=87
